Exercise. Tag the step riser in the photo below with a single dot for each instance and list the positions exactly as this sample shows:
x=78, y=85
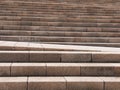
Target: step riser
x=46, y=28
x=65, y=34
x=29, y=56
x=63, y=69
x=61, y=24
x=55, y=19
x=60, y=39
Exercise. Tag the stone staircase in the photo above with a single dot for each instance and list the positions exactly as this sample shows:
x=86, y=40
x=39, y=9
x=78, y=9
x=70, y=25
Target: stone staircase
x=59, y=45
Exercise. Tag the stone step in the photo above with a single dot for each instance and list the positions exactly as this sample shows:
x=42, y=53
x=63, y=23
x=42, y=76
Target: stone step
x=30, y=46
x=61, y=39
x=60, y=69
x=60, y=6
x=52, y=28
x=39, y=14
x=46, y=8
x=86, y=44
x=61, y=19
x=58, y=56
x=60, y=24
x=59, y=33
x=59, y=83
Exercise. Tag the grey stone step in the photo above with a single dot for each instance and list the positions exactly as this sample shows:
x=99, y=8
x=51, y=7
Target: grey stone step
x=60, y=69
x=61, y=39
x=60, y=33
x=59, y=83
x=58, y=56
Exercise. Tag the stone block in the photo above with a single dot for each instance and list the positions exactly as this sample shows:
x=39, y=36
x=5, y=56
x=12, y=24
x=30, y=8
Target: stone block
x=9, y=56
x=44, y=56
x=46, y=83
x=13, y=83
x=76, y=57
x=28, y=69
x=84, y=83
x=63, y=69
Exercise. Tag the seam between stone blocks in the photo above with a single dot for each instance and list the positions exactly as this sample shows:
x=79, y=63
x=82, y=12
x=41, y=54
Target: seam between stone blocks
x=29, y=56
x=11, y=69
x=27, y=82
x=66, y=83
x=46, y=69
x=103, y=85
x=91, y=57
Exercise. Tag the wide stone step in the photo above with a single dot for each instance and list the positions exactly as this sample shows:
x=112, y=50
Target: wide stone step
x=60, y=33
x=60, y=69
x=86, y=44
x=23, y=46
x=58, y=56
x=62, y=19
x=61, y=39
x=52, y=28
x=39, y=14
x=53, y=9
x=60, y=24
x=59, y=83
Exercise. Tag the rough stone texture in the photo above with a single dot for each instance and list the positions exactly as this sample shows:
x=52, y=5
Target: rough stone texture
x=45, y=83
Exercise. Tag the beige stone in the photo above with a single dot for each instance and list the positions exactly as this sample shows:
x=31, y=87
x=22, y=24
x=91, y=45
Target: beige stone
x=84, y=83
x=28, y=69
x=45, y=83
x=63, y=69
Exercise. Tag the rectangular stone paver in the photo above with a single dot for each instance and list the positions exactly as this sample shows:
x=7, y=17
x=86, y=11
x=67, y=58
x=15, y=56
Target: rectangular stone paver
x=63, y=69
x=44, y=56
x=46, y=83
x=84, y=83
x=13, y=83
x=28, y=69
x=5, y=69
x=10, y=56
x=76, y=57
x=111, y=83
x=106, y=57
